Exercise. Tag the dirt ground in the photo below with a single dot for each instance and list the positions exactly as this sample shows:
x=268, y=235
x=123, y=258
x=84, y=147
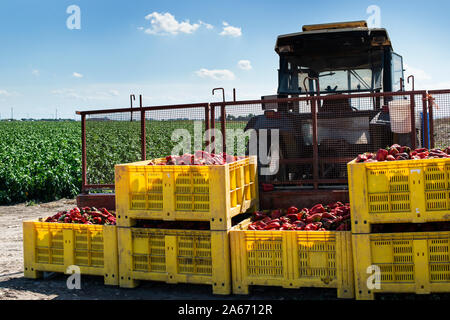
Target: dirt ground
x=13, y=285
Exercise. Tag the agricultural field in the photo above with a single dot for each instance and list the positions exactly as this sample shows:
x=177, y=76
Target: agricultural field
x=114, y=142
x=41, y=160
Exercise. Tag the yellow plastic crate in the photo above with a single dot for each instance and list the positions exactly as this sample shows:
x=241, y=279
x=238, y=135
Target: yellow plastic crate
x=408, y=263
x=53, y=247
x=186, y=193
x=174, y=256
x=412, y=191
x=291, y=259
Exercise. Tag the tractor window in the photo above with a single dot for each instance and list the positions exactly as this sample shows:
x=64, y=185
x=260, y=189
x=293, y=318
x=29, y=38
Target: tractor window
x=363, y=78
x=360, y=79
x=346, y=80
x=397, y=71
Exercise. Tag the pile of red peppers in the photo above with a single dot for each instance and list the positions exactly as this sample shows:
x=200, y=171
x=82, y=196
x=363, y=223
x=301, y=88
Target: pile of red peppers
x=334, y=216
x=85, y=215
x=199, y=158
x=397, y=153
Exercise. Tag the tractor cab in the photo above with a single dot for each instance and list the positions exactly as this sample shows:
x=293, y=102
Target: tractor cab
x=343, y=57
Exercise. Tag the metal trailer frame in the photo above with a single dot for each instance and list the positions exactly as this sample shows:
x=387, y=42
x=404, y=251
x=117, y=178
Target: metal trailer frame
x=276, y=198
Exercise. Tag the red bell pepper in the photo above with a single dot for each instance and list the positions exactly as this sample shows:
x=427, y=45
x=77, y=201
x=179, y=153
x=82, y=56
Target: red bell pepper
x=292, y=210
x=319, y=208
x=382, y=154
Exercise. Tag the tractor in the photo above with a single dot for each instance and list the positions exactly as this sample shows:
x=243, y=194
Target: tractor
x=342, y=59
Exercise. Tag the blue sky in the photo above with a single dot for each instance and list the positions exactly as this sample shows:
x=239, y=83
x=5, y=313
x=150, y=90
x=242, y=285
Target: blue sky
x=180, y=57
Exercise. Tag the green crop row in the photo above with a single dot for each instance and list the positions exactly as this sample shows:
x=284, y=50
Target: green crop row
x=42, y=160
x=39, y=160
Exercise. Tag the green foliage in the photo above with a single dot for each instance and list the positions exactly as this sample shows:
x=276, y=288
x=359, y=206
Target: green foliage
x=109, y=143
x=39, y=161
x=114, y=142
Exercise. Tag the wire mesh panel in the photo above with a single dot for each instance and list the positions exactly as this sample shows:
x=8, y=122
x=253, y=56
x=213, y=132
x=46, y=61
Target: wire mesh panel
x=111, y=138
x=271, y=130
x=251, y=130
x=238, y=120
x=440, y=111
x=174, y=131
x=422, y=120
x=350, y=126
x=310, y=140
x=302, y=141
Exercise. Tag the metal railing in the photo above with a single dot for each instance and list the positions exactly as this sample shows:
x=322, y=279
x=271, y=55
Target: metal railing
x=329, y=128
x=311, y=109
x=105, y=137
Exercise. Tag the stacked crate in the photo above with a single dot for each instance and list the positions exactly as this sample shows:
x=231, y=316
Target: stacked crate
x=183, y=193
x=291, y=259
x=412, y=193
x=57, y=247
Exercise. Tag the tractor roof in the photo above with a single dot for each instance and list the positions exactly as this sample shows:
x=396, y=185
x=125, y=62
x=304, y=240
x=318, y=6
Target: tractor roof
x=332, y=36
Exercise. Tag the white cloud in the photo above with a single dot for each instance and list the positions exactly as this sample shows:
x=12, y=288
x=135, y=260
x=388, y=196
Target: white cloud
x=165, y=23
x=85, y=95
x=35, y=72
x=433, y=86
x=77, y=75
x=114, y=93
x=244, y=64
x=419, y=74
x=230, y=31
x=140, y=28
x=4, y=93
x=67, y=93
x=423, y=80
x=104, y=94
x=207, y=25
x=216, y=74
x=8, y=94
